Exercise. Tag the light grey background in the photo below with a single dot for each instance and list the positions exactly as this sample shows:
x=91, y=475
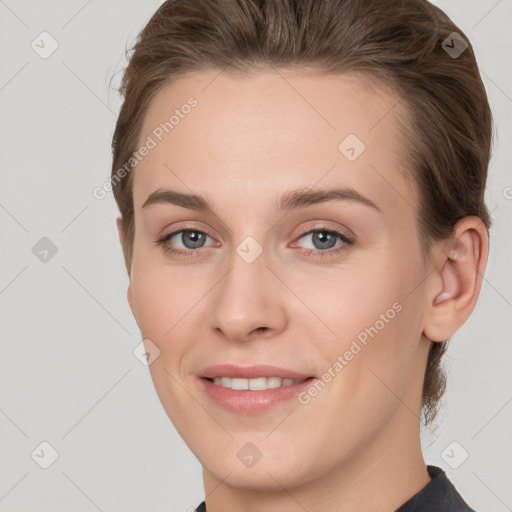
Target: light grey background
x=68, y=373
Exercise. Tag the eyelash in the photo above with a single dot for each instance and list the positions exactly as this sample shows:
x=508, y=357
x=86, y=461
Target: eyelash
x=348, y=241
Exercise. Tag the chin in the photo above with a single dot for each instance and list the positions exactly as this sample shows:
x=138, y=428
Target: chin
x=274, y=470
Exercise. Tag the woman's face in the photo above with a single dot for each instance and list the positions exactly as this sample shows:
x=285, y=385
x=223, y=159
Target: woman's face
x=332, y=289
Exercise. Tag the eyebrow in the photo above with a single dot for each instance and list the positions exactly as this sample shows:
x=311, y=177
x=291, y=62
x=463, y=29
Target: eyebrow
x=290, y=200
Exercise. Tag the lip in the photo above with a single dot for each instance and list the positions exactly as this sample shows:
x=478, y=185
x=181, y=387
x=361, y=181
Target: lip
x=249, y=401
x=251, y=372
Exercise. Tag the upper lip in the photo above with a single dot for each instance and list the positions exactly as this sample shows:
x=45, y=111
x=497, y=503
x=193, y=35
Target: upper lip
x=251, y=372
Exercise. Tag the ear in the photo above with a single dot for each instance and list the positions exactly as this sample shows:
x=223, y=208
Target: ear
x=456, y=282
x=129, y=293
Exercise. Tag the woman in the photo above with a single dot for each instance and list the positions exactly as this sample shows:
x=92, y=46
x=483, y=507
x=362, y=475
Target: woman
x=301, y=187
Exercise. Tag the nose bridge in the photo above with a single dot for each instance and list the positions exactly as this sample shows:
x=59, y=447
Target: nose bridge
x=244, y=301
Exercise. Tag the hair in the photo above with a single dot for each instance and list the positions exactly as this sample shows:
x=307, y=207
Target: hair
x=446, y=134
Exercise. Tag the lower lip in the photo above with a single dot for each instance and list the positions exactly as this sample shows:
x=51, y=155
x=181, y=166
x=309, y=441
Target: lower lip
x=252, y=402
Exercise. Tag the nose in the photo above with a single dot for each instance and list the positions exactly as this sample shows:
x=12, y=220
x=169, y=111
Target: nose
x=249, y=301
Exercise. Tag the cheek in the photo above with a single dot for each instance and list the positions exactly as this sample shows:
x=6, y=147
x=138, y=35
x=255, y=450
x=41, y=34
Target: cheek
x=348, y=301
x=371, y=353
x=172, y=304
x=164, y=311
x=159, y=302
x=372, y=318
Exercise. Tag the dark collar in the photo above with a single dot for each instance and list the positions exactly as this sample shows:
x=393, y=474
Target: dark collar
x=439, y=495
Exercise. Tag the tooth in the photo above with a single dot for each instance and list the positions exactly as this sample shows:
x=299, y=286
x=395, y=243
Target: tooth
x=226, y=382
x=258, y=383
x=239, y=384
x=218, y=381
x=287, y=382
x=273, y=382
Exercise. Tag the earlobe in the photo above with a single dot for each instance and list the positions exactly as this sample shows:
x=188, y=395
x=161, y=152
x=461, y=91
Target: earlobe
x=457, y=280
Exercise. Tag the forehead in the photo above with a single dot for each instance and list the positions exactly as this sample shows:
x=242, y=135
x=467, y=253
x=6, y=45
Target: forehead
x=259, y=133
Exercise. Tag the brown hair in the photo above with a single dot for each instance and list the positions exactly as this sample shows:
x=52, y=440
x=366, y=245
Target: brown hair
x=447, y=133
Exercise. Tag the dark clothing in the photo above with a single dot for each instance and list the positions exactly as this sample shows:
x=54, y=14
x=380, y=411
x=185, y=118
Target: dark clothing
x=439, y=495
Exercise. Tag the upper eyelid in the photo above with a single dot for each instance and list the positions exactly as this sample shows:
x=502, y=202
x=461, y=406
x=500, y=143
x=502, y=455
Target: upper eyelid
x=319, y=227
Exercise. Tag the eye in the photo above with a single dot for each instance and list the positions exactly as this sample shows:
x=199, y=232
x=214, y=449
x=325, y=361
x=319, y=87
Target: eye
x=324, y=240
x=191, y=238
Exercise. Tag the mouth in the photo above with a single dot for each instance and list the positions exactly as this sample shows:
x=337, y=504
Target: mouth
x=252, y=396
x=252, y=389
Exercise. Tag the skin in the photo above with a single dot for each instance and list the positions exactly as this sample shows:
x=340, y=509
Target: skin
x=250, y=139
